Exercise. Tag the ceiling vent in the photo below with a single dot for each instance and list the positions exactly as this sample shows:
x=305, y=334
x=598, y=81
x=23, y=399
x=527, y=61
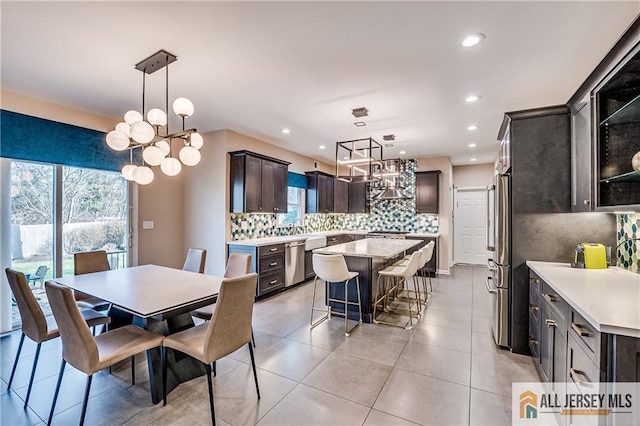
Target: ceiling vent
x=389, y=137
x=360, y=112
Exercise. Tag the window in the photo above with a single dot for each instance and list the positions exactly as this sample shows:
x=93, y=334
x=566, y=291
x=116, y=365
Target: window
x=295, y=210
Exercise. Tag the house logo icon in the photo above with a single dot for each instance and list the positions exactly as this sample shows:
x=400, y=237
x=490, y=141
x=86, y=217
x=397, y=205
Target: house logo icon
x=528, y=405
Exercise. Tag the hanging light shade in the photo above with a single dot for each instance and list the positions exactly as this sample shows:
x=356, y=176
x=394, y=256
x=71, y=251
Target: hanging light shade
x=143, y=175
x=152, y=136
x=189, y=156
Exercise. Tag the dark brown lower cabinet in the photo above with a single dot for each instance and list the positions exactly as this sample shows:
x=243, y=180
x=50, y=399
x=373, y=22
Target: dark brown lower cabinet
x=267, y=262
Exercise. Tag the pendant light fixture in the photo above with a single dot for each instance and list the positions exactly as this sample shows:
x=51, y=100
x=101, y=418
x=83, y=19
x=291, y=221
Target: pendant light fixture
x=158, y=146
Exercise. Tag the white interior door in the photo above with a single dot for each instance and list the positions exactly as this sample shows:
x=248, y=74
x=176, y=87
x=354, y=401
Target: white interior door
x=470, y=226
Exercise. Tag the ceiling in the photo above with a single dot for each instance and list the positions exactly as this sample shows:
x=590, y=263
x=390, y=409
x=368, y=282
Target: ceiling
x=258, y=67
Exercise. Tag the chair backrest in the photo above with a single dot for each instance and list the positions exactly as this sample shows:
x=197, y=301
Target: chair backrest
x=41, y=271
x=79, y=347
x=195, y=260
x=238, y=264
x=90, y=261
x=330, y=267
x=415, y=262
x=428, y=251
x=230, y=325
x=34, y=323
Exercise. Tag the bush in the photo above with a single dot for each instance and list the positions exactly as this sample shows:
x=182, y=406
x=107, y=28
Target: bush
x=94, y=236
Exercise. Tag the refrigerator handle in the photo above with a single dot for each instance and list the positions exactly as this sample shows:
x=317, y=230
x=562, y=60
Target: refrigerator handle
x=491, y=188
x=492, y=265
x=489, y=289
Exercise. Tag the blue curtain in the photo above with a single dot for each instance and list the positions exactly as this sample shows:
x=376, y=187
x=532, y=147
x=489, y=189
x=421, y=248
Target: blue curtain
x=24, y=137
x=297, y=180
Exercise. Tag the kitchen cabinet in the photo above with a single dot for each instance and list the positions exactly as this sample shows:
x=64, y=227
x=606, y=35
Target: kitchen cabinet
x=358, y=197
x=258, y=183
x=340, y=196
x=319, y=192
x=348, y=238
x=336, y=239
x=581, y=157
x=266, y=261
x=427, y=191
x=308, y=265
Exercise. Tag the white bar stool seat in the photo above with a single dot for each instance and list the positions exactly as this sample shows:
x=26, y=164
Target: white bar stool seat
x=332, y=269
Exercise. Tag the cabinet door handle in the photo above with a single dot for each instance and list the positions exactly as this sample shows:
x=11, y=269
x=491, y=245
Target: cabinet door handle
x=550, y=297
x=550, y=323
x=533, y=340
x=534, y=280
x=273, y=264
x=272, y=282
x=273, y=249
x=581, y=331
x=586, y=202
x=533, y=307
x=577, y=376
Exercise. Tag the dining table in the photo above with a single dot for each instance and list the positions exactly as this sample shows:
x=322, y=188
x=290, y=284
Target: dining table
x=160, y=300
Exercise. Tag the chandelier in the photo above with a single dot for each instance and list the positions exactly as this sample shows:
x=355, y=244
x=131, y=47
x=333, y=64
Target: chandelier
x=157, y=145
x=356, y=160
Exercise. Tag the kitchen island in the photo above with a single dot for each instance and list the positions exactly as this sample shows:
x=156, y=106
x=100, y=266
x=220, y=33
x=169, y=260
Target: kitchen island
x=367, y=257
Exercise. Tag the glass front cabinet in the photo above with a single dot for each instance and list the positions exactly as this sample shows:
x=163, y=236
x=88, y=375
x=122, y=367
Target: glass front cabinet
x=617, y=132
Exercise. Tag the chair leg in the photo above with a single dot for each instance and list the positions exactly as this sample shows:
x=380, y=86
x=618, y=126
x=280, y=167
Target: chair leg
x=15, y=363
x=313, y=307
x=163, y=361
x=33, y=373
x=253, y=339
x=133, y=369
x=55, y=394
x=255, y=374
x=213, y=367
x=210, y=383
x=346, y=307
x=85, y=399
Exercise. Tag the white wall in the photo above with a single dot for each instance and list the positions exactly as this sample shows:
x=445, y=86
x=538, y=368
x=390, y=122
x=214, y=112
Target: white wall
x=473, y=175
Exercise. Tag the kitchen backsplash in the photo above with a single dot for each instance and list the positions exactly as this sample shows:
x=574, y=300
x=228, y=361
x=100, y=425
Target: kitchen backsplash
x=387, y=215
x=628, y=230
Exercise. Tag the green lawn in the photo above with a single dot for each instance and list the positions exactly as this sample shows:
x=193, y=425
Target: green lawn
x=29, y=266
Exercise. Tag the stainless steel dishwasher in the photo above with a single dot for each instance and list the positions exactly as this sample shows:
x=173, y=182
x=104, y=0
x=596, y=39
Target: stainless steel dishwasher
x=293, y=263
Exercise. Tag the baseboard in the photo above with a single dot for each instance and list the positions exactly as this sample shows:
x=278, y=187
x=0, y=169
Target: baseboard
x=443, y=272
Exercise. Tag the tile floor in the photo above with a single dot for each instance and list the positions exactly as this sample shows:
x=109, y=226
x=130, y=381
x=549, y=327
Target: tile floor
x=445, y=371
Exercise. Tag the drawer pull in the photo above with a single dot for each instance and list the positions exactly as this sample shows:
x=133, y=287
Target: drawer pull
x=533, y=307
x=550, y=323
x=273, y=264
x=577, y=376
x=550, y=297
x=534, y=280
x=581, y=331
x=533, y=341
x=273, y=249
x=272, y=282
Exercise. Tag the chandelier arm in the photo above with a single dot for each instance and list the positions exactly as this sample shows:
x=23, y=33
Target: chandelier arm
x=166, y=93
x=143, y=91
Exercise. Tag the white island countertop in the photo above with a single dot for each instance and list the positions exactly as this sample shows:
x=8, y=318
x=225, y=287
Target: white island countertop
x=608, y=298
x=385, y=248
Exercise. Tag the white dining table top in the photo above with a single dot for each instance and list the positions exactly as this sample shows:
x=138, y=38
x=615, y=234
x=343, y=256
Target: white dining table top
x=147, y=290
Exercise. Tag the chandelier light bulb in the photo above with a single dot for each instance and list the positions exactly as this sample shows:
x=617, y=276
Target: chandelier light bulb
x=170, y=166
x=117, y=140
x=132, y=116
x=157, y=117
x=196, y=140
x=635, y=161
x=164, y=146
x=189, y=156
x=143, y=175
x=124, y=128
x=153, y=155
x=183, y=107
x=142, y=132
x=127, y=171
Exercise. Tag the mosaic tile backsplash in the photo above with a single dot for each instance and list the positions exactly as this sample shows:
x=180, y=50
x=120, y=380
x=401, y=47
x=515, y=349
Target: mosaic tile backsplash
x=386, y=215
x=627, y=236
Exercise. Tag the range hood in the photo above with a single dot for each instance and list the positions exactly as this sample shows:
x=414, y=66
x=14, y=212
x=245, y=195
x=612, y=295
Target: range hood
x=392, y=175
x=392, y=193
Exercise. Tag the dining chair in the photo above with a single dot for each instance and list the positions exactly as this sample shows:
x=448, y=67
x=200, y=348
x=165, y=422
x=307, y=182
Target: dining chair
x=86, y=263
x=238, y=264
x=195, y=260
x=38, y=276
x=91, y=354
x=35, y=324
x=228, y=330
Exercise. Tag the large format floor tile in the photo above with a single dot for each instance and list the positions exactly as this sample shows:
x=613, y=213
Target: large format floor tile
x=436, y=362
x=443, y=337
x=291, y=359
x=489, y=409
x=497, y=375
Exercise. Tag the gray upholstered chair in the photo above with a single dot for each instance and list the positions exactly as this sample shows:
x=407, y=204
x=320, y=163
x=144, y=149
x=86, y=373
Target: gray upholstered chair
x=228, y=330
x=195, y=260
x=34, y=323
x=91, y=354
x=86, y=263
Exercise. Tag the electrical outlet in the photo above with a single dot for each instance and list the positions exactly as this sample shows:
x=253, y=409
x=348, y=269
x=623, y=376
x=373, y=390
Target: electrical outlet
x=147, y=224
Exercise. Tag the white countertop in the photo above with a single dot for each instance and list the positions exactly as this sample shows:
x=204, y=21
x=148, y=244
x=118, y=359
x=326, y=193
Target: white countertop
x=608, y=298
x=370, y=247
x=256, y=242
x=424, y=234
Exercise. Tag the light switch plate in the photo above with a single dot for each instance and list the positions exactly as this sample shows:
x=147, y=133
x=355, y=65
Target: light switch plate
x=147, y=224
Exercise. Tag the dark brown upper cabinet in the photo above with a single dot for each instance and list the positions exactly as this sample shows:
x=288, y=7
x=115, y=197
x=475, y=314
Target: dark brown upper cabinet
x=358, y=202
x=340, y=196
x=427, y=191
x=258, y=183
x=319, y=192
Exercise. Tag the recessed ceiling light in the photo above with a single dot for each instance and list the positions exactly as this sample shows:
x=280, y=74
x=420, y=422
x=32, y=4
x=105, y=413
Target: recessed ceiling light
x=285, y=131
x=403, y=152
x=472, y=145
x=473, y=39
x=472, y=98
x=472, y=127
x=473, y=159
x=360, y=123
x=388, y=145
x=322, y=147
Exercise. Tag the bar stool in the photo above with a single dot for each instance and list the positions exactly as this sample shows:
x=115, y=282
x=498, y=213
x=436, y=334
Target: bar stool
x=332, y=269
x=427, y=254
x=393, y=278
